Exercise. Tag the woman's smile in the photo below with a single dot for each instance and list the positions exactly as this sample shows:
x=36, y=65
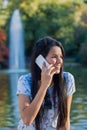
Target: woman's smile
x=55, y=57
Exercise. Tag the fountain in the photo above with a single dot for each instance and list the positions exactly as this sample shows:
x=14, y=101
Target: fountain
x=16, y=59
x=16, y=66
x=16, y=43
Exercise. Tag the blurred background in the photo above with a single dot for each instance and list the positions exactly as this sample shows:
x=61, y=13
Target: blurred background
x=24, y=22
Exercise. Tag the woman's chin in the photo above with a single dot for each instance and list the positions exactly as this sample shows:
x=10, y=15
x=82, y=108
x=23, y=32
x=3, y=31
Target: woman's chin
x=57, y=72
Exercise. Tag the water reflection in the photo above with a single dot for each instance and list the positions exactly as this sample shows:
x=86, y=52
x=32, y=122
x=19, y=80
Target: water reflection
x=9, y=112
x=79, y=104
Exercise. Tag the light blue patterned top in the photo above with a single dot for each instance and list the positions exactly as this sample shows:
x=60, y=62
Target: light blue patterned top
x=49, y=121
x=25, y=83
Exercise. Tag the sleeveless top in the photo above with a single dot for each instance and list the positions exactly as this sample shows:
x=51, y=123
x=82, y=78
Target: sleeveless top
x=50, y=116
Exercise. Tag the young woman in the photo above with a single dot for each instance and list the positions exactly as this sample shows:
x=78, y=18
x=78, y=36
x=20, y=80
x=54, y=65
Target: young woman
x=45, y=95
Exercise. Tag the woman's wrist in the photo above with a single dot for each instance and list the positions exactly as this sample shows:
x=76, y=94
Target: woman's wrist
x=43, y=88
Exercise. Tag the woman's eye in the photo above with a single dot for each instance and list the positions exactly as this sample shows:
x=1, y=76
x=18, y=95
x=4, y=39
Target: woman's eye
x=54, y=57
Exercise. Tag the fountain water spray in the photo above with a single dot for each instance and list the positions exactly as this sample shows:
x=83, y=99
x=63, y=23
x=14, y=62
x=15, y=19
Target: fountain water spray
x=16, y=58
x=17, y=62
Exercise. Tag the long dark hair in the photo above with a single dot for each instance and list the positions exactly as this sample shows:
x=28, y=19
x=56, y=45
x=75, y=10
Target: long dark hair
x=43, y=47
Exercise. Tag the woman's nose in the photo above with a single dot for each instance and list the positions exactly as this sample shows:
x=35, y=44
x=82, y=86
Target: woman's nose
x=58, y=60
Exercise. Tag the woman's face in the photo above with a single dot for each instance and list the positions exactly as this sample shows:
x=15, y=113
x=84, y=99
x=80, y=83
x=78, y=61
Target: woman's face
x=55, y=57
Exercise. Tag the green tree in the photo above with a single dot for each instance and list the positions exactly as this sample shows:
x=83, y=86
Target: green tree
x=49, y=19
x=55, y=18
x=82, y=56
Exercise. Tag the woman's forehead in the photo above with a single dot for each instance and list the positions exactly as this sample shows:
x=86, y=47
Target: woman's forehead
x=55, y=50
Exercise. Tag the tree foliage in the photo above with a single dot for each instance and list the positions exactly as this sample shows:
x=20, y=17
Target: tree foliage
x=49, y=19
x=62, y=20
x=4, y=54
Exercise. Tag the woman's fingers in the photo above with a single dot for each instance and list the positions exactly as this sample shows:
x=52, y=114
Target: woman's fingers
x=43, y=67
x=47, y=74
x=50, y=69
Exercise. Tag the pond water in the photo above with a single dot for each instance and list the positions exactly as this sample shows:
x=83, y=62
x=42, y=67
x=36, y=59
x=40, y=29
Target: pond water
x=9, y=112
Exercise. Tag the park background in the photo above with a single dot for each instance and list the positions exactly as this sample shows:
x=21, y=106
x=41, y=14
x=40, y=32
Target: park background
x=65, y=20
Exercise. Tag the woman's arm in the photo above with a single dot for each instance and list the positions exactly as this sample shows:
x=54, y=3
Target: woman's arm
x=29, y=110
x=67, y=125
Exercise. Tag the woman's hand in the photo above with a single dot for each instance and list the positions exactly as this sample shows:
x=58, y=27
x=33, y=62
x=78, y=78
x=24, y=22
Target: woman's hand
x=47, y=75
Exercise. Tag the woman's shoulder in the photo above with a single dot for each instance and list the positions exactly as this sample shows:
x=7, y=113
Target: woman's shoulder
x=27, y=77
x=70, y=83
x=24, y=85
x=68, y=75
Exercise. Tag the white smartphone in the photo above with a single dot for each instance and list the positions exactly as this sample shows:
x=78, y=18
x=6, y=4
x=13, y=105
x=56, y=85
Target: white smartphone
x=39, y=61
